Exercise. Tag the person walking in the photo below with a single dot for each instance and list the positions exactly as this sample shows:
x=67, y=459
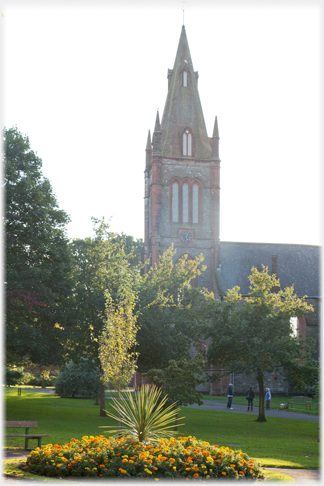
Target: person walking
x=250, y=397
x=268, y=398
x=230, y=396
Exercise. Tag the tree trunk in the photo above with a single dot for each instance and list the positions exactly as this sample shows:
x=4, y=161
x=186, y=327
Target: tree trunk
x=261, y=417
x=119, y=417
x=102, y=393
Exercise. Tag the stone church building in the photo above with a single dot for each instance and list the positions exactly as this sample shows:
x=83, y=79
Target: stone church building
x=182, y=206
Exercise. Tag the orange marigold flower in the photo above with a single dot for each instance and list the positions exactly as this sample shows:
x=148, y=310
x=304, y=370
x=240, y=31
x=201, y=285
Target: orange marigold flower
x=217, y=460
x=250, y=467
x=241, y=472
x=196, y=475
x=224, y=473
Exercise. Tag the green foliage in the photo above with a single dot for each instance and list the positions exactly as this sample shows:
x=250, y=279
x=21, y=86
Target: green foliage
x=179, y=380
x=37, y=258
x=116, y=342
x=144, y=417
x=78, y=380
x=169, y=311
x=185, y=457
x=101, y=269
x=255, y=335
x=14, y=376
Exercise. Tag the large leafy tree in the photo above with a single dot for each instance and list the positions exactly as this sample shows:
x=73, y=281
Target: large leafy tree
x=169, y=311
x=255, y=335
x=37, y=258
x=101, y=267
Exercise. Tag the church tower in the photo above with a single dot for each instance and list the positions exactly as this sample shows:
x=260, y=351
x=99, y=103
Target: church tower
x=182, y=173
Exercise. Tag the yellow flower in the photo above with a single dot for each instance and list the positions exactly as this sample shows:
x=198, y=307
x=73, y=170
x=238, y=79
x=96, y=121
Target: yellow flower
x=174, y=467
x=148, y=471
x=155, y=468
x=124, y=460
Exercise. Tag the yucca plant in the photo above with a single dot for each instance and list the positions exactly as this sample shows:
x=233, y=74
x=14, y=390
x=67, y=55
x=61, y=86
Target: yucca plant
x=145, y=417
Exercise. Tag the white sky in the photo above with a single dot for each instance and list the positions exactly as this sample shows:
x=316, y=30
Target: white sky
x=84, y=81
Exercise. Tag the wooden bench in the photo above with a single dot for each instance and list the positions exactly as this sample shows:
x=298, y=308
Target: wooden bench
x=27, y=435
x=300, y=401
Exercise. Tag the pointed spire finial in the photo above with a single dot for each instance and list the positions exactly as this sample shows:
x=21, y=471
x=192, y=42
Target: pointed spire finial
x=157, y=127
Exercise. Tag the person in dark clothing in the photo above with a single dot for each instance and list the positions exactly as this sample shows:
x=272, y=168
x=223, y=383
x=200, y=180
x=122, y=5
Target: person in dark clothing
x=250, y=397
x=230, y=396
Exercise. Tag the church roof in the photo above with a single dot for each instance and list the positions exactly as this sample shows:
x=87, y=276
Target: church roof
x=296, y=264
x=183, y=108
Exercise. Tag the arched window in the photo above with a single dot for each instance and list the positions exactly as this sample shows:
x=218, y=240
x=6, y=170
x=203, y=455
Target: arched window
x=175, y=202
x=185, y=79
x=195, y=203
x=185, y=203
x=186, y=143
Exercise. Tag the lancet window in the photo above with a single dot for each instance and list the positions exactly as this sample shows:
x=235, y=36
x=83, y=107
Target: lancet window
x=185, y=201
x=187, y=142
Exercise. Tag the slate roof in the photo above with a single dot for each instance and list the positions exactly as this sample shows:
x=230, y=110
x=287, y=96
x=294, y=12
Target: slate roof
x=296, y=264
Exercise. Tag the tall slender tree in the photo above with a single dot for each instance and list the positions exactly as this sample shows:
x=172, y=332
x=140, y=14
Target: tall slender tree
x=101, y=267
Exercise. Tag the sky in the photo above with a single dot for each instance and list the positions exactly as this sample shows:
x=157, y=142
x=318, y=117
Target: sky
x=84, y=81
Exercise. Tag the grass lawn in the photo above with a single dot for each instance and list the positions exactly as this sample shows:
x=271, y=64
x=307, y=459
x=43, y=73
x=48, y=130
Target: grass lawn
x=277, y=442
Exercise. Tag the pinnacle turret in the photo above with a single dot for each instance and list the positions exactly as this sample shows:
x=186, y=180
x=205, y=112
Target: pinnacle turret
x=157, y=127
x=215, y=140
x=148, y=150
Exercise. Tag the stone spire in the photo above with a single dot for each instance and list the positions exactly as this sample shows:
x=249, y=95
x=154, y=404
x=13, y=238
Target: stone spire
x=183, y=108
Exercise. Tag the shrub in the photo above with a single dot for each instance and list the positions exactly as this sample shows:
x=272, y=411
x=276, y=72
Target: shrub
x=14, y=377
x=78, y=380
x=185, y=457
x=144, y=417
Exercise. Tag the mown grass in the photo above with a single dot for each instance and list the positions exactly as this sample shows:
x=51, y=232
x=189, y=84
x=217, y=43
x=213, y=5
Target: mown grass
x=277, y=442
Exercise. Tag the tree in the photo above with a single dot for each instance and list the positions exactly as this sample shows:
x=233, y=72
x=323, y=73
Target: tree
x=179, y=381
x=37, y=282
x=169, y=311
x=117, y=342
x=100, y=267
x=256, y=335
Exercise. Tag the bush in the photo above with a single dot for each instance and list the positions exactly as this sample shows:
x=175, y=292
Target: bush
x=14, y=377
x=80, y=380
x=185, y=457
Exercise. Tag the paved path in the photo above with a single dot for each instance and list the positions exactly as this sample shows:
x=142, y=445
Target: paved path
x=221, y=406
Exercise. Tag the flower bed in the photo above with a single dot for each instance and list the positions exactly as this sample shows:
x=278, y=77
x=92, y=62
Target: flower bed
x=185, y=457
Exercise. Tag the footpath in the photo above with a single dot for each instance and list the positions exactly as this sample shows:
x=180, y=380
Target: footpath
x=221, y=406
